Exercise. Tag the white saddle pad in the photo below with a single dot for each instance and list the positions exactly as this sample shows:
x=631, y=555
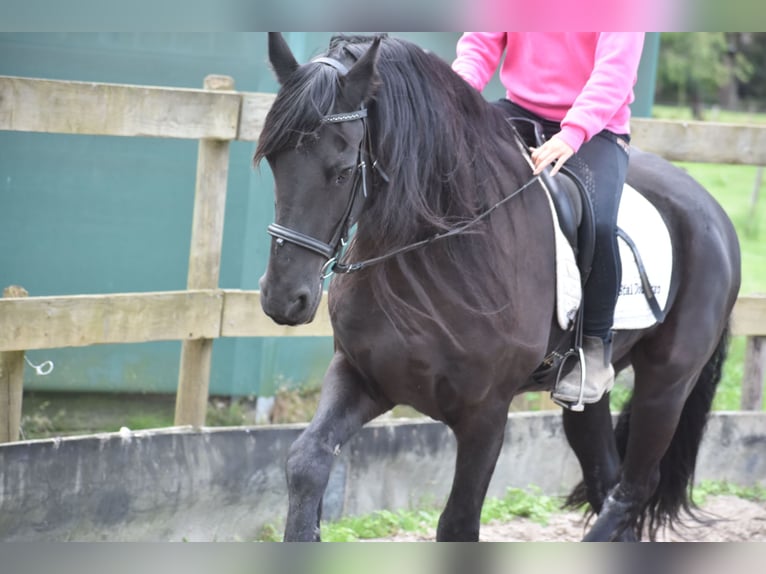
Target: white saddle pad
x=641, y=221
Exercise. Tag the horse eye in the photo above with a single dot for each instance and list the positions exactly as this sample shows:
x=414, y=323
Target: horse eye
x=344, y=175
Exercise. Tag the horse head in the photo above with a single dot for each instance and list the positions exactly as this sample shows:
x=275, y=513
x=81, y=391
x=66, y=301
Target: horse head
x=314, y=140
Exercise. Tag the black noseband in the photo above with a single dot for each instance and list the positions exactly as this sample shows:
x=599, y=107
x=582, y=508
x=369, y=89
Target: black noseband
x=306, y=241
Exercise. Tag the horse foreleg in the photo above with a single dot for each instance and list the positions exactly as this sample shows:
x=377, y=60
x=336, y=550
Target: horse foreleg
x=479, y=439
x=343, y=408
x=591, y=436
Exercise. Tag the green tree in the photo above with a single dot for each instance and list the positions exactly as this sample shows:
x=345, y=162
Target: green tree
x=753, y=46
x=700, y=67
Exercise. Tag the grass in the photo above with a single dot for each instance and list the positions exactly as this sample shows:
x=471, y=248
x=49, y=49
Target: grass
x=716, y=488
x=380, y=524
x=532, y=504
x=712, y=113
x=517, y=503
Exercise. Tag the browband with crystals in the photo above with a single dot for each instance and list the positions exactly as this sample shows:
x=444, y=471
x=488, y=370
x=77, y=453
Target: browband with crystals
x=345, y=117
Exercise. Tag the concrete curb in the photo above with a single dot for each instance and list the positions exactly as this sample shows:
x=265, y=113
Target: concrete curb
x=226, y=484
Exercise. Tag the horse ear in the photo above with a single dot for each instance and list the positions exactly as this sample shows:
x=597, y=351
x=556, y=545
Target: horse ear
x=281, y=58
x=362, y=79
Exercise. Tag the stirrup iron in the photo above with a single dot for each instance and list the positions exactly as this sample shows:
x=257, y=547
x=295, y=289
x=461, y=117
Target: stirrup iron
x=577, y=406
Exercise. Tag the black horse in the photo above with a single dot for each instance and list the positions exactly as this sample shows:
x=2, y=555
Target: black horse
x=381, y=133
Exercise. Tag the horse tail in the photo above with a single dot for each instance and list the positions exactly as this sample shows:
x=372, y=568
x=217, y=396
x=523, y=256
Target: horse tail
x=672, y=496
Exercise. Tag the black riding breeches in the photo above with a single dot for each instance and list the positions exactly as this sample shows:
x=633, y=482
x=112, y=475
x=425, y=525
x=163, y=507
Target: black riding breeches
x=602, y=164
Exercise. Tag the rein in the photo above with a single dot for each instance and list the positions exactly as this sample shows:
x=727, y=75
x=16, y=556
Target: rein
x=340, y=267
x=331, y=250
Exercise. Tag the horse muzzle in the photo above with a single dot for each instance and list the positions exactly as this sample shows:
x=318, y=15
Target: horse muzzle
x=289, y=305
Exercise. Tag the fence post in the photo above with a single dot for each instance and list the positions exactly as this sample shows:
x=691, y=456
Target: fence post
x=11, y=383
x=204, y=265
x=755, y=368
x=751, y=225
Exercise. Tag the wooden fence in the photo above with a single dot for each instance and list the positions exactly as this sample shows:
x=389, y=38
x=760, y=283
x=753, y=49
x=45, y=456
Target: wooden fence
x=215, y=116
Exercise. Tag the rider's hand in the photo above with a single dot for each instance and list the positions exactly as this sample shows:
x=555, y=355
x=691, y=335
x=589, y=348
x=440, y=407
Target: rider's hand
x=554, y=150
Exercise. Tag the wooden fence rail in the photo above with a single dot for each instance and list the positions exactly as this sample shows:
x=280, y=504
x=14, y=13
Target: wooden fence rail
x=217, y=115
x=31, y=323
x=64, y=107
x=55, y=106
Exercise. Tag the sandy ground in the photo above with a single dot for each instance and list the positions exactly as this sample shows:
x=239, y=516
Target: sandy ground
x=735, y=520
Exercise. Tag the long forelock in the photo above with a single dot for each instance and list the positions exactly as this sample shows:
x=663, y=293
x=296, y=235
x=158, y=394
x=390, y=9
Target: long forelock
x=296, y=114
x=308, y=94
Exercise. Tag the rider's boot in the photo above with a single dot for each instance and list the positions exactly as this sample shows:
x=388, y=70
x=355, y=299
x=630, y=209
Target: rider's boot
x=570, y=392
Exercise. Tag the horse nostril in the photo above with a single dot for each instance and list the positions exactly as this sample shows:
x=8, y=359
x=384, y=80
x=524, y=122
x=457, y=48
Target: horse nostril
x=301, y=302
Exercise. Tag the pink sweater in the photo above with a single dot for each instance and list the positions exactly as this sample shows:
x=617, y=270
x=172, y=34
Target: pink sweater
x=582, y=79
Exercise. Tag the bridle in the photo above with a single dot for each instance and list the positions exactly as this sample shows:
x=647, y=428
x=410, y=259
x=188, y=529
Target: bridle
x=331, y=250
x=339, y=238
